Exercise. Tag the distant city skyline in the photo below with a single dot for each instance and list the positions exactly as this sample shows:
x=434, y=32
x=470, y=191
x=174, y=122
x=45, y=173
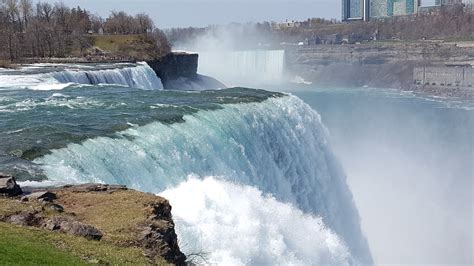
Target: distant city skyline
x=199, y=13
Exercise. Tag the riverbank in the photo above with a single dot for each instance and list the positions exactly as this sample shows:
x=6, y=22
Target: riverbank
x=85, y=224
x=380, y=65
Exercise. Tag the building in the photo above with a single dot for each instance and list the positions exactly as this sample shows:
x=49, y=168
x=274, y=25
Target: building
x=373, y=9
x=444, y=76
x=355, y=10
x=439, y=5
x=289, y=25
x=448, y=2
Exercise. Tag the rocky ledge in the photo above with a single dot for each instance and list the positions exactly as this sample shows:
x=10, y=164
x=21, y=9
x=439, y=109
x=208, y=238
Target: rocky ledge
x=113, y=215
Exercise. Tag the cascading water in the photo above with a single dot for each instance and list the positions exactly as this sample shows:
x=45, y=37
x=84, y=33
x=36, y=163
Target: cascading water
x=56, y=77
x=278, y=146
x=211, y=214
x=257, y=67
x=141, y=76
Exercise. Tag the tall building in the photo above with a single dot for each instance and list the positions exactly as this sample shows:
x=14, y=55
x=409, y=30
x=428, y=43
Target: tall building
x=368, y=9
x=355, y=10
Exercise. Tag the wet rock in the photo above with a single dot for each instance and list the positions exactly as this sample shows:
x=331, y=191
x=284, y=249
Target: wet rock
x=8, y=186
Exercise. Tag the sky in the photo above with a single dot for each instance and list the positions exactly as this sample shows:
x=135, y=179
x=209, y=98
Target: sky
x=184, y=13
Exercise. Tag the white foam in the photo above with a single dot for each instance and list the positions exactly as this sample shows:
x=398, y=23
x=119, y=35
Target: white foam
x=140, y=76
x=50, y=87
x=238, y=225
x=42, y=184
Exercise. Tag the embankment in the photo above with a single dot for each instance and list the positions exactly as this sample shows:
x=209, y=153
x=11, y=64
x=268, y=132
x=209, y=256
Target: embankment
x=381, y=65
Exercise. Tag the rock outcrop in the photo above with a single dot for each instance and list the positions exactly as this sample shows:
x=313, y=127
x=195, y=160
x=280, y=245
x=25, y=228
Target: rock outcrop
x=178, y=71
x=45, y=196
x=160, y=229
x=70, y=226
x=8, y=186
x=176, y=65
x=110, y=213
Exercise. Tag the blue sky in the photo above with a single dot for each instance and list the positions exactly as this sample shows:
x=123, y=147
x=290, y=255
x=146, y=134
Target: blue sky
x=183, y=13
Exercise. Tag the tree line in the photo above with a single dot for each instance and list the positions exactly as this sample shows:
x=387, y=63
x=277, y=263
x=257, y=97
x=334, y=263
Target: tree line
x=40, y=29
x=451, y=23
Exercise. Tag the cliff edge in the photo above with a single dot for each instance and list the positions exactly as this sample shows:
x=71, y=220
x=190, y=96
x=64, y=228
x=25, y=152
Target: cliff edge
x=179, y=71
x=86, y=224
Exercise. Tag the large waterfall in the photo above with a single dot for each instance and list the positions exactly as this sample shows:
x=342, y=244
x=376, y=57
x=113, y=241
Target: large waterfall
x=278, y=146
x=249, y=68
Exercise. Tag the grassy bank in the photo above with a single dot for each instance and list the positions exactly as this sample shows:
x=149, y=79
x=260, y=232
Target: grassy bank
x=28, y=246
x=136, y=227
x=138, y=47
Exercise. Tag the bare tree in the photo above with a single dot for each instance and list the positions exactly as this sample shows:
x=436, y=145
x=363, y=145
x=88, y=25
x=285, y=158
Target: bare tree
x=55, y=30
x=144, y=23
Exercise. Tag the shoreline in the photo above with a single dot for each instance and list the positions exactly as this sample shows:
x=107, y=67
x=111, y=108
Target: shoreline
x=452, y=93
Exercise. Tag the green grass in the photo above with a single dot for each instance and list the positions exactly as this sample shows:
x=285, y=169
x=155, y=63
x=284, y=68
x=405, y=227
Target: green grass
x=113, y=43
x=28, y=246
x=119, y=216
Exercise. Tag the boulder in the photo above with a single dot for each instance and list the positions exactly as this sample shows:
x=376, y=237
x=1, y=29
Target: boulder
x=70, y=226
x=80, y=229
x=26, y=218
x=55, y=207
x=42, y=196
x=8, y=186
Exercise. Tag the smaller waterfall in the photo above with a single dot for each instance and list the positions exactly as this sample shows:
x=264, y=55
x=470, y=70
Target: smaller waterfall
x=250, y=68
x=141, y=76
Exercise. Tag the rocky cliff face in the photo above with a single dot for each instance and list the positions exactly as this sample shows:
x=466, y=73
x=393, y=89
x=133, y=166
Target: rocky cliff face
x=178, y=71
x=383, y=65
x=176, y=65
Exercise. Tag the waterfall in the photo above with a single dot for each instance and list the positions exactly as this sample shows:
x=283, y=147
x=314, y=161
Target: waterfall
x=278, y=146
x=60, y=76
x=249, y=68
x=140, y=76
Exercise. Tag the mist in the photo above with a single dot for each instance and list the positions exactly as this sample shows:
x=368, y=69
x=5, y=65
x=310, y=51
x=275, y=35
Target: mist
x=238, y=54
x=408, y=160
x=409, y=164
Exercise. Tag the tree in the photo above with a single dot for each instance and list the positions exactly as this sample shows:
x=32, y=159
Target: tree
x=144, y=23
x=55, y=30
